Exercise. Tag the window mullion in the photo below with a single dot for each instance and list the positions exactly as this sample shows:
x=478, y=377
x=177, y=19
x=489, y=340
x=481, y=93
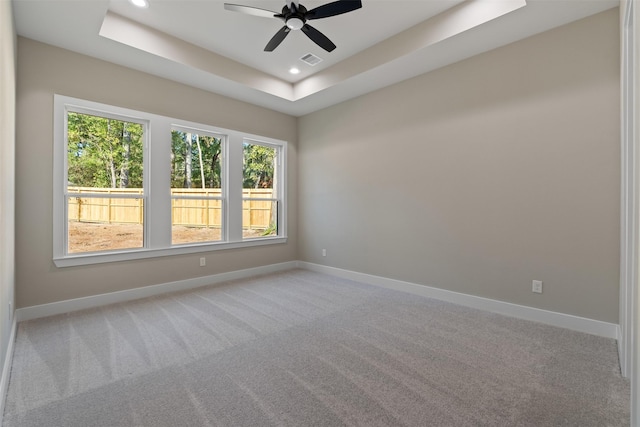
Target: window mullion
x=234, y=187
x=158, y=196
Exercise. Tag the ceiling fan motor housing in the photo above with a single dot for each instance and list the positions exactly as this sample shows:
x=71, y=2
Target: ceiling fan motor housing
x=294, y=16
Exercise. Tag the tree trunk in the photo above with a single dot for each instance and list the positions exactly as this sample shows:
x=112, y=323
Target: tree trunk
x=173, y=167
x=214, y=160
x=202, y=181
x=112, y=165
x=187, y=161
x=124, y=168
x=112, y=169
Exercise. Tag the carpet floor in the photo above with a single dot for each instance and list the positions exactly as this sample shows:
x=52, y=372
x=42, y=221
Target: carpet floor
x=298, y=348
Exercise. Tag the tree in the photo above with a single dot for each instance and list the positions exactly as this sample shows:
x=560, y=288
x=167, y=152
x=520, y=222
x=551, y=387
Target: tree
x=202, y=181
x=188, y=156
x=211, y=151
x=103, y=152
x=126, y=148
x=258, y=167
x=195, y=159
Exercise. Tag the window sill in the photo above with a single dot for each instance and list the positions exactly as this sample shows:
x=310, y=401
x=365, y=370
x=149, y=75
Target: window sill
x=134, y=254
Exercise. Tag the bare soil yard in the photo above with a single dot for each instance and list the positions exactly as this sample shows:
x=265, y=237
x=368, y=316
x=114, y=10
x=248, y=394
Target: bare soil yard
x=90, y=237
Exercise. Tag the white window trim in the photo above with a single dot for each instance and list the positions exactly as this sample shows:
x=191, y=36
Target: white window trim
x=204, y=130
x=280, y=159
x=157, y=146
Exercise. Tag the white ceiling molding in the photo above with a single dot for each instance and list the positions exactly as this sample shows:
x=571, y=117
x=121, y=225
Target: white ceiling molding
x=204, y=46
x=449, y=23
x=128, y=32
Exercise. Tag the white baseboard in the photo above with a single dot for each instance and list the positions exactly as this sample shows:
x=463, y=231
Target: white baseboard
x=6, y=369
x=581, y=324
x=67, y=306
x=567, y=321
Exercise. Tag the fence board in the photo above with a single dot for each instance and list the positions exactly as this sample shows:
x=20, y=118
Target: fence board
x=205, y=212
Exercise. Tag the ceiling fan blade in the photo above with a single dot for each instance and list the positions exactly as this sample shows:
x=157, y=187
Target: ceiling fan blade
x=318, y=38
x=250, y=10
x=277, y=39
x=332, y=9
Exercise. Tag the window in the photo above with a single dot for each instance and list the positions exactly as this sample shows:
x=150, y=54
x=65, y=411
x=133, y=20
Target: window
x=259, y=190
x=104, y=193
x=196, y=187
x=129, y=184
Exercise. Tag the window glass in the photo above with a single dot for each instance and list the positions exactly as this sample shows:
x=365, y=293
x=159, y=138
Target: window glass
x=104, y=190
x=259, y=191
x=196, y=188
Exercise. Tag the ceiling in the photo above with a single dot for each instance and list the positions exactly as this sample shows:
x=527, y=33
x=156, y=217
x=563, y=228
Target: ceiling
x=199, y=43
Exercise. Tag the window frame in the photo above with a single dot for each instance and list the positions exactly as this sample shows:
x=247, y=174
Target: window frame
x=157, y=187
x=277, y=188
x=224, y=143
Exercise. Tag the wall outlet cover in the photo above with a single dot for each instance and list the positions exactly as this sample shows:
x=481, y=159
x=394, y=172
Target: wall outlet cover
x=536, y=286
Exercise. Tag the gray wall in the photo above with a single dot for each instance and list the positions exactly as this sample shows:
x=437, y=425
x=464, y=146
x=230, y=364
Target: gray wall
x=7, y=168
x=476, y=178
x=44, y=70
x=481, y=176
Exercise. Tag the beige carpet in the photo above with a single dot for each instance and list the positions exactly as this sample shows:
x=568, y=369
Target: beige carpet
x=304, y=349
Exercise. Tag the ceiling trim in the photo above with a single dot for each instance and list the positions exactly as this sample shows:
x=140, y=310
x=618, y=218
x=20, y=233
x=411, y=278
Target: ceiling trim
x=450, y=23
x=173, y=43
x=131, y=33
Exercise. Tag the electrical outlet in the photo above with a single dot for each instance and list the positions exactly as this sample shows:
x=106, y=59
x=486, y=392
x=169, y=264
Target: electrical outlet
x=203, y=262
x=536, y=286
x=324, y=252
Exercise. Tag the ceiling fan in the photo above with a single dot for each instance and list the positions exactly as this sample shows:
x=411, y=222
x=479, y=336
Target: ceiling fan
x=295, y=17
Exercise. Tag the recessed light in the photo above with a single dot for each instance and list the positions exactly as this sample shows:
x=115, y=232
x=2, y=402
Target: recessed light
x=294, y=70
x=140, y=3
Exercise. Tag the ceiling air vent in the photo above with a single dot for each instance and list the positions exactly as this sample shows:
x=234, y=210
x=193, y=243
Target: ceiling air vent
x=311, y=59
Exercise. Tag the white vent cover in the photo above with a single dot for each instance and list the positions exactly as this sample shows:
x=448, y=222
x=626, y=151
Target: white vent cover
x=311, y=59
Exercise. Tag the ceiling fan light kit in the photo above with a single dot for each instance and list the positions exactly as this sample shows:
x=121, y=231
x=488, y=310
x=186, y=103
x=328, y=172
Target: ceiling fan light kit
x=295, y=17
x=295, y=23
x=140, y=3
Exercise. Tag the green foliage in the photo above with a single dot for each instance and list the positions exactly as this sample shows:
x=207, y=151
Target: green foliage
x=258, y=166
x=272, y=230
x=188, y=168
x=108, y=153
x=103, y=153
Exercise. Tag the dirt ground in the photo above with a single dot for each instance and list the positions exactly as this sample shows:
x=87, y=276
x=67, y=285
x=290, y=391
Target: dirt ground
x=90, y=237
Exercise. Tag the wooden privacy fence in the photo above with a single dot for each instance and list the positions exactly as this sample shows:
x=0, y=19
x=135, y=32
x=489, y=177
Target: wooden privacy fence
x=191, y=207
